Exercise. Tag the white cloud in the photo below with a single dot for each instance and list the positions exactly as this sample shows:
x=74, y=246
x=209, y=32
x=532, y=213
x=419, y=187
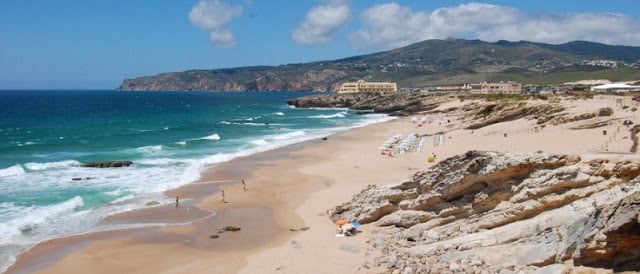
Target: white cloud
x=321, y=22
x=222, y=38
x=391, y=25
x=214, y=16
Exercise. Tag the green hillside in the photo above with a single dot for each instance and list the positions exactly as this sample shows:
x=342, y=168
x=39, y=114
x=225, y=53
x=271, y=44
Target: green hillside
x=427, y=63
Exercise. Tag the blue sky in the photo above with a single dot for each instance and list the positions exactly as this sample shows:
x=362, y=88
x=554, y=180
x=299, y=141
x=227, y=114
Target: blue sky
x=96, y=44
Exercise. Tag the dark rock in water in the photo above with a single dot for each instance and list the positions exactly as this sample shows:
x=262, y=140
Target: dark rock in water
x=107, y=164
x=152, y=203
x=79, y=179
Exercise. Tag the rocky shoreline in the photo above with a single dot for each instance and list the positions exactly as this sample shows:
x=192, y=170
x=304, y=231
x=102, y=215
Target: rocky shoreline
x=491, y=212
x=397, y=104
x=502, y=212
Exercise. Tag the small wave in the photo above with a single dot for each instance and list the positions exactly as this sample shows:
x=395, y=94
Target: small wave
x=341, y=114
x=256, y=124
x=141, y=130
x=159, y=161
x=15, y=170
x=279, y=113
x=259, y=142
x=28, y=218
x=287, y=136
x=116, y=192
x=9, y=261
x=213, y=137
x=122, y=199
x=182, y=143
x=245, y=123
x=253, y=118
x=215, y=159
x=51, y=165
x=150, y=149
x=25, y=144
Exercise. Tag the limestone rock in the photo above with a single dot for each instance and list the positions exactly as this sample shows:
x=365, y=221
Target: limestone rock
x=513, y=212
x=405, y=218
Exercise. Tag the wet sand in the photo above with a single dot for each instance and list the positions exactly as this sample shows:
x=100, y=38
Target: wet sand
x=174, y=234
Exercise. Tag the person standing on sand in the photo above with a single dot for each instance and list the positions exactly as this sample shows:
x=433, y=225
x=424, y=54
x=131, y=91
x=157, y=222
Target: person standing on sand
x=223, y=199
x=244, y=185
x=177, y=201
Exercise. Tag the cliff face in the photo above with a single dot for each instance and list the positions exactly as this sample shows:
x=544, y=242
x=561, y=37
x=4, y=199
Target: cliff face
x=489, y=211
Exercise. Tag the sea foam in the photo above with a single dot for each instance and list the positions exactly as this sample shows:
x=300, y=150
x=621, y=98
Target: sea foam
x=213, y=137
x=26, y=219
x=51, y=165
x=14, y=170
x=341, y=114
x=150, y=149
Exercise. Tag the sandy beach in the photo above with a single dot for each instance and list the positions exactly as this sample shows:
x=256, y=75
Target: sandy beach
x=283, y=213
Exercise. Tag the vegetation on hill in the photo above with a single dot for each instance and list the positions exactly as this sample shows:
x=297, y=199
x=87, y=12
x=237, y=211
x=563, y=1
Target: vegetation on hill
x=427, y=63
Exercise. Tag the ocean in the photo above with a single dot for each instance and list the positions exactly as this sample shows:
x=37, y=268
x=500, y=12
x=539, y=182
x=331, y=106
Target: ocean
x=171, y=137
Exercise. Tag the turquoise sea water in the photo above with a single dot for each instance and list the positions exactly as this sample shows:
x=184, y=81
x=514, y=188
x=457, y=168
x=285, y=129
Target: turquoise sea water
x=170, y=136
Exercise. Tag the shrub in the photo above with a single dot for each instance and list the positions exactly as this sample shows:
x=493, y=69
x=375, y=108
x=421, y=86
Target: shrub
x=605, y=112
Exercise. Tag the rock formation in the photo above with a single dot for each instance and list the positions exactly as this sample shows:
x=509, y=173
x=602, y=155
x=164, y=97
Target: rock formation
x=491, y=212
x=401, y=103
x=107, y=164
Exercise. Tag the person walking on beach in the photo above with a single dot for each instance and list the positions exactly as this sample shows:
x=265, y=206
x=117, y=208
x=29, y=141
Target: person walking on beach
x=244, y=185
x=177, y=201
x=223, y=199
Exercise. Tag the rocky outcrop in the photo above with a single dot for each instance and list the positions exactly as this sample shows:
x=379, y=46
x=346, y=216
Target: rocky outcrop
x=108, y=164
x=395, y=103
x=489, y=211
x=489, y=114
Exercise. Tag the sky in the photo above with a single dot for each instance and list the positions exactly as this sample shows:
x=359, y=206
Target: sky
x=74, y=44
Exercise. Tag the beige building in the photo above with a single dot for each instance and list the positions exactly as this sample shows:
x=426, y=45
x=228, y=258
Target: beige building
x=362, y=86
x=502, y=87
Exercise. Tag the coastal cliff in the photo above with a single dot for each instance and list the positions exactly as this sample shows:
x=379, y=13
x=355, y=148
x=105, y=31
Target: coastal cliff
x=286, y=78
x=490, y=211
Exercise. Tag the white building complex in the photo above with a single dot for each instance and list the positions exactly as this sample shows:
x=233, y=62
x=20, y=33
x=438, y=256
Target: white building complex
x=615, y=87
x=362, y=86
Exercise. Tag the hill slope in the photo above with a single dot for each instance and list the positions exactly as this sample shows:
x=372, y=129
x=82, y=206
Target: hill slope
x=431, y=62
